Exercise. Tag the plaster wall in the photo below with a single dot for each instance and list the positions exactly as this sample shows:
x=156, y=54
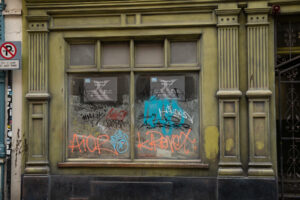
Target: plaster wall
x=13, y=32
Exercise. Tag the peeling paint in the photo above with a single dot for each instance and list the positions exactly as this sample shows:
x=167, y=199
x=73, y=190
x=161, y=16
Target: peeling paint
x=229, y=144
x=259, y=145
x=211, y=142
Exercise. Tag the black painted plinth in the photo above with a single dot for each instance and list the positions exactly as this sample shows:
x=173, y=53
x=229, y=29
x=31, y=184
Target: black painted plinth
x=35, y=187
x=114, y=190
x=247, y=189
x=80, y=187
x=133, y=188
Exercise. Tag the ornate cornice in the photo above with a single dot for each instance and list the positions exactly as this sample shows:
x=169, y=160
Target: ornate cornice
x=120, y=5
x=222, y=12
x=37, y=18
x=258, y=10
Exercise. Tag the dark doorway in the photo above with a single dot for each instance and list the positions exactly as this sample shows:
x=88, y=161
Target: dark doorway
x=288, y=105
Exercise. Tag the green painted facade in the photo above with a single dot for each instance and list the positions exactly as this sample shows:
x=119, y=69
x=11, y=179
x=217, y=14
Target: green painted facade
x=236, y=81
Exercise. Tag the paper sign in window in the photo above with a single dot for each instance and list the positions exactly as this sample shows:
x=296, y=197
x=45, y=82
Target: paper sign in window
x=100, y=89
x=168, y=87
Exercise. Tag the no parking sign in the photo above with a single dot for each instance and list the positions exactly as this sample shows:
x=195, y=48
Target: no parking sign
x=10, y=55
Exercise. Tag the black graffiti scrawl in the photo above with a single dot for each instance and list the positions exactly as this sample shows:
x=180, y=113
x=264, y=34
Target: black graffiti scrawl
x=100, y=89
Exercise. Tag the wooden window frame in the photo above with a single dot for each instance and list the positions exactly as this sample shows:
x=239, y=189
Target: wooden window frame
x=132, y=70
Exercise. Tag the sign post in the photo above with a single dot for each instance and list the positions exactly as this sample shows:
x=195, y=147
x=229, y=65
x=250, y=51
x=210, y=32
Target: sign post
x=10, y=55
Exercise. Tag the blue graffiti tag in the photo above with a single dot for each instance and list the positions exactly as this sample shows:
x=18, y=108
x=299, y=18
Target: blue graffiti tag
x=119, y=141
x=160, y=113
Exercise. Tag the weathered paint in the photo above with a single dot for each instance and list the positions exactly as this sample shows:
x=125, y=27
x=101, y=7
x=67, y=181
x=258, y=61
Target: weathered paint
x=229, y=144
x=208, y=84
x=211, y=142
x=13, y=32
x=259, y=145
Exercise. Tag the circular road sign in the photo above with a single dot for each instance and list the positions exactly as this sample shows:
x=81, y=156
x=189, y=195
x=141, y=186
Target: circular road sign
x=8, y=50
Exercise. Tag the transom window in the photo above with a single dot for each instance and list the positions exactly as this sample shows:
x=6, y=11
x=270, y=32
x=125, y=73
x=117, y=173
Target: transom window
x=134, y=100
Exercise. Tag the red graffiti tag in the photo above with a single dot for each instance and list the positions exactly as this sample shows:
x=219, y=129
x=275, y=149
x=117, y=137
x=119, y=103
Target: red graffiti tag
x=173, y=142
x=90, y=143
x=116, y=115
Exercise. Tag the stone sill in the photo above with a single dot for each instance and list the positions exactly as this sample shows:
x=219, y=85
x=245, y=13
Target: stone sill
x=185, y=165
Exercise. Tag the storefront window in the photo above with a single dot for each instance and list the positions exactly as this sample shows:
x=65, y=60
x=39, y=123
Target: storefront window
x=135, y=113
x=167, y=116
x=99, y=116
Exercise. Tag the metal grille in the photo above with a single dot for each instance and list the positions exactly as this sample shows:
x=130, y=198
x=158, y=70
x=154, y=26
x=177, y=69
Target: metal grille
x=288, y=107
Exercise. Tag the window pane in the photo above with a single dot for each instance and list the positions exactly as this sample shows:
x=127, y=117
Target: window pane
x=149, y=54
x=115, y=54
x=183, y=52
x=167, y=116
x=99, y=118
x=82, y=54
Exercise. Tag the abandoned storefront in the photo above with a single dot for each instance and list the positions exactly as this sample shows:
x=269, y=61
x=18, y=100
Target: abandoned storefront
x=149, y=100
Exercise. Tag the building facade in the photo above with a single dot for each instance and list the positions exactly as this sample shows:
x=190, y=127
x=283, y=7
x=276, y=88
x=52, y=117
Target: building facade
x=150, y=99
x=11, y=105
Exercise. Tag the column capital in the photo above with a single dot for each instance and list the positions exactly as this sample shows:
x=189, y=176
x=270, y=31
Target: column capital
x=257, y=14
x=228, y=17
x=37, y=23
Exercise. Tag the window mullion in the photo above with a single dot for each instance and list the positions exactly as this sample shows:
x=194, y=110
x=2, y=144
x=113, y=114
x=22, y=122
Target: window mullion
x=132, y=54
x=98, y=55
x=132, y=122
x=167, y=52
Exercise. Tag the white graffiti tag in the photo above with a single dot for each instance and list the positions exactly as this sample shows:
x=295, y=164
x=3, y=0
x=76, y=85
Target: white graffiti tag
x=176, y=113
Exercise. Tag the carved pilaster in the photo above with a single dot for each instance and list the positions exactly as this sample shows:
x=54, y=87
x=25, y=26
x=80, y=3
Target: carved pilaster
x=229, y=92
x=258, y=91
x=37, y=97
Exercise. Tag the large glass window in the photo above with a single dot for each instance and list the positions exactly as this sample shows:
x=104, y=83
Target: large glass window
x=167, y=116
x=99, y=116
x=135, y=104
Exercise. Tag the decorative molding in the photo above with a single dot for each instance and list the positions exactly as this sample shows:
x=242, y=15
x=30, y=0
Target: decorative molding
x=38, y=62
x=37, y=137
x=38, y=96
x=266, y=10
x=37, y=23
x=112, y=5
x=189, y=18
x=258, y=57
x=229, y=93
x=228, y=58
x=230, y=163
x=257, y=19
x=259, y=141
x=258, y=92
x=226, y=12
